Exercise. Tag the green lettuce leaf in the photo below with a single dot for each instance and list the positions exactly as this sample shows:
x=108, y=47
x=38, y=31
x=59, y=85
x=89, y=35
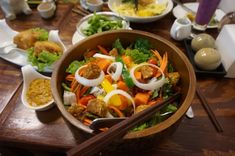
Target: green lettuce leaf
x=43, y=60
x=74, y=66
x=43, y=34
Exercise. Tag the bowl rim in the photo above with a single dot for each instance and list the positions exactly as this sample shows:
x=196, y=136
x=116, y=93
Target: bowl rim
x=145, y=19
x=146, y=132
x=105, y=13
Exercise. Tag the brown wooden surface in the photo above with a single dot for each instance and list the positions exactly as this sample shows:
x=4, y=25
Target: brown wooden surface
x=47, y=131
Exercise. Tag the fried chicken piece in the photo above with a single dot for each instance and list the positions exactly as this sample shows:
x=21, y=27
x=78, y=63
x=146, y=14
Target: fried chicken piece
x=97, y=107
x=146, y=72
x=49, y=46
x=26, y=39
x=92, y=71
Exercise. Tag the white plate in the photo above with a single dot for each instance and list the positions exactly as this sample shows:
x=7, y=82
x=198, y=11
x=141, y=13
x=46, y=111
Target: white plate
x=179, y=12
x=142, y=19
x=7, y=34
x=83, y=23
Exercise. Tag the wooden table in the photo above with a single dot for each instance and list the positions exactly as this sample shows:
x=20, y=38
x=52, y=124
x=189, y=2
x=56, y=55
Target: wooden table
x=47, y=131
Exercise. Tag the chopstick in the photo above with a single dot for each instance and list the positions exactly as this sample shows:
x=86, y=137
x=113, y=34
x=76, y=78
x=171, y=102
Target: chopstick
x=209, y=111
x=99, y=141
x=82, y=9
x=79, y=12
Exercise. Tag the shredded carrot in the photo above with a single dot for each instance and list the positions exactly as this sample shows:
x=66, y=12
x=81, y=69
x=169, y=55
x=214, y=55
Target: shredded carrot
x=116, y=110
x=153, y=102
x=127, y=60
x=74, y=85
x=104, y=129
x=87, y=121
x=78, y=92
x=156, y=53
x=84, y=90
x=90, y=53
x=163, y=65
x=70, y=77
x=103, y=50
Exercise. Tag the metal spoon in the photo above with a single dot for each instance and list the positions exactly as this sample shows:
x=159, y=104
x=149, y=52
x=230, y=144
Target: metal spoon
x=109, y=122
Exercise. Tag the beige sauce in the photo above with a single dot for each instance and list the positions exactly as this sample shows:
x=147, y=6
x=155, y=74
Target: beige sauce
x=39, y=92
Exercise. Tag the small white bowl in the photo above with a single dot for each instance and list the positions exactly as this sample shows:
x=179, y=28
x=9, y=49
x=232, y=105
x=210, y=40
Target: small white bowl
x=83, y=23
x=29, y=74
x=112, y=3
x=46, y=9
x=94, y=5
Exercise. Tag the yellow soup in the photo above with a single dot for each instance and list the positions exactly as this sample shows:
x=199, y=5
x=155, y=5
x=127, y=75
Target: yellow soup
x=39, y=92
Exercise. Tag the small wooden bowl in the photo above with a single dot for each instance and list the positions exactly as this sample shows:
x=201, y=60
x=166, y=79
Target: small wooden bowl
x=106, y=39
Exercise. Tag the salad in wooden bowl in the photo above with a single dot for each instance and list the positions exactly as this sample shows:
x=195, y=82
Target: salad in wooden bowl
x=120, y=73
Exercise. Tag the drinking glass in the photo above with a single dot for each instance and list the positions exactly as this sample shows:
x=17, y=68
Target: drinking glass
x=205, y=12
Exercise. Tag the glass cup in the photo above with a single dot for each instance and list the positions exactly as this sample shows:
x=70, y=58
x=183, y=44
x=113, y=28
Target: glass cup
x=205, y=12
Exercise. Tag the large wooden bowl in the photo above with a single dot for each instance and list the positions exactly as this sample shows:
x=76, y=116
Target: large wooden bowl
x=176, y=56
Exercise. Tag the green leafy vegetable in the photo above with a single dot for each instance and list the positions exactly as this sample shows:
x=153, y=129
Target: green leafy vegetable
x=153, y=121
x=43, y=60
x=43, y=34
x=91, y=116
x=125, y=74
x=171, y=108
x=101, y=23
x=118, y=45
x=157, y=118
x=137, y=56
x=155, y=94
x=170, y=68
x=143, y=45
x=74, y=66
x=66, y=87
x=141, y=52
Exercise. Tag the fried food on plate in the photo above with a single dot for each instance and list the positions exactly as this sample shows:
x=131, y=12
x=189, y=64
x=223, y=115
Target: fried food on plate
x=26, y=39
x=48, y=46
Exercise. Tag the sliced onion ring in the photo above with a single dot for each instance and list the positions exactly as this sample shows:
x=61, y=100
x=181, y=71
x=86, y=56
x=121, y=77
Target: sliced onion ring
x=89, y=82
x=98, y=55
x=118, y=70
x=121, y=92
x=153, y=84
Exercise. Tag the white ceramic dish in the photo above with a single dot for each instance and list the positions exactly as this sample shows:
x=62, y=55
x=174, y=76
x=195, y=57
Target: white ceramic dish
x=83, y=23
x=169, y=7
x=179, y=12
x=7, y=34
x=76, y=38
x=29, y=74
